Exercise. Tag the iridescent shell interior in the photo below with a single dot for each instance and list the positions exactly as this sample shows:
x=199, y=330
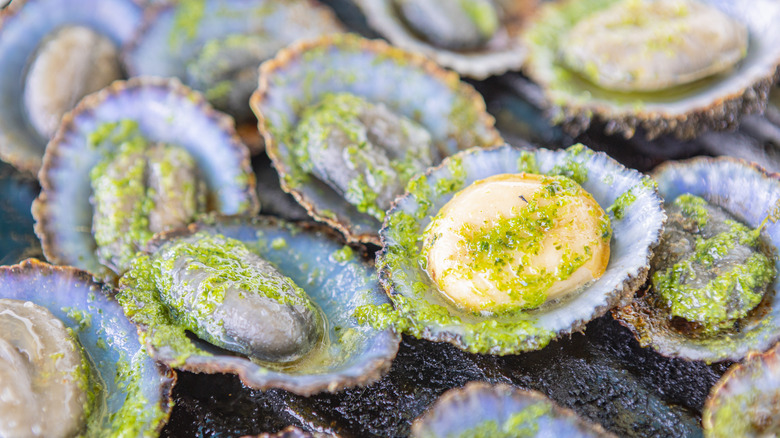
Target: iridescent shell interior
x=716, y=102
x=487, y=409
x=137, y=390
x=451, y=111
x=744, y=401
x=750, y=194
x=21, y=31
x=166, y=111
x=501, y=54
x=633, y=238
x=309, y=255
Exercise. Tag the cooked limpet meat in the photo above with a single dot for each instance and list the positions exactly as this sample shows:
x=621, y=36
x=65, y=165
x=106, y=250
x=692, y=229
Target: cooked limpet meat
x=52, y=54
x=229, y=296
x=476, y=38
x=362, y=150
x=70, y=64
x=648, y=45
x=399, y=111
x=455, y=25
x=713, y=290
x=267, y=300
x=216, y=46
x=140, y=190
x=136, y=158
x=70, y=362
x=500, y=251
x=516, y=241
x=43, y=374
x=710, y=268
x=653, y=67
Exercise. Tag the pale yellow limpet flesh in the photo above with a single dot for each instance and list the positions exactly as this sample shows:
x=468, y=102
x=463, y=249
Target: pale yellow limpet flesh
x=650, y=45
x=515, y=241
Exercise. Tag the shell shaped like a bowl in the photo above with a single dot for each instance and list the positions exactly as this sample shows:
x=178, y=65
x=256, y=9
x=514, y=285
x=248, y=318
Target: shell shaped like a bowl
x=22, y=28
x=716, y=103
x=309, y=256
x=166, y=111
x=452, y=111
x=154, y=51
x=750, y=194
x=462, y=411
x=493, y=59
x=163, y=45
x=633, y=238
x=109, y=339
x=744, y=397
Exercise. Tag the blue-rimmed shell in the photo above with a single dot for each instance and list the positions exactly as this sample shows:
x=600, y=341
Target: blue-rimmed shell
x=433, y=317
x=292, y=432
x=410, y=85
x=173, y=37
x=716, y=103
x=503, y=53
x=744, y=401
x=22, y=28
x=136, y=389
x=481, y=409
x=750, y=194
x=336, y=281
x=166, y=111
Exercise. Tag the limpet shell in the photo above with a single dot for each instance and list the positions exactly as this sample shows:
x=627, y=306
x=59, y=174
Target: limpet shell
x=309, y=254
x=166, y=111
x=108, y=338
x=716, y=103
x=461, y=412
x=749, y=193
x=410, y=85
x=744, y=401
x=163, y=45
x=22, y=28
x=502, y=54
x=413, y=292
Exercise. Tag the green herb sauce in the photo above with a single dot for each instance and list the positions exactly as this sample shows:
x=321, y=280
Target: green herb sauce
x=729, y=296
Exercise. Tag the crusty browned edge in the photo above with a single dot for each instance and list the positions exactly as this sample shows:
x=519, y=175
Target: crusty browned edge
x=374, y=370
x=250, y=137
x=619, y=297
x=351, y=41
x=31, y=266
x=457, y=395
x=639, y=316
x=723, y=114
x=52, y=159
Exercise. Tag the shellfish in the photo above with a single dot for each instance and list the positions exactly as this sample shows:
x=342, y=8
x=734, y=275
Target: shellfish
x=339, y=68
x=333, y=351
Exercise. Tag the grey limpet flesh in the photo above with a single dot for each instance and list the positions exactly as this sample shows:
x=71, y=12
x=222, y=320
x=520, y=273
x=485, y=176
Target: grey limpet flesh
x=217, y=46
x=132, y=391
x=750, y=194
x=335, y=278
x=501, y=53
x=715, y=103
x=42, y=371
x=636, y=229
x=300, y=76
x=480, y=409
x=164, y=111
x=23, y=27
x=744, y=401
